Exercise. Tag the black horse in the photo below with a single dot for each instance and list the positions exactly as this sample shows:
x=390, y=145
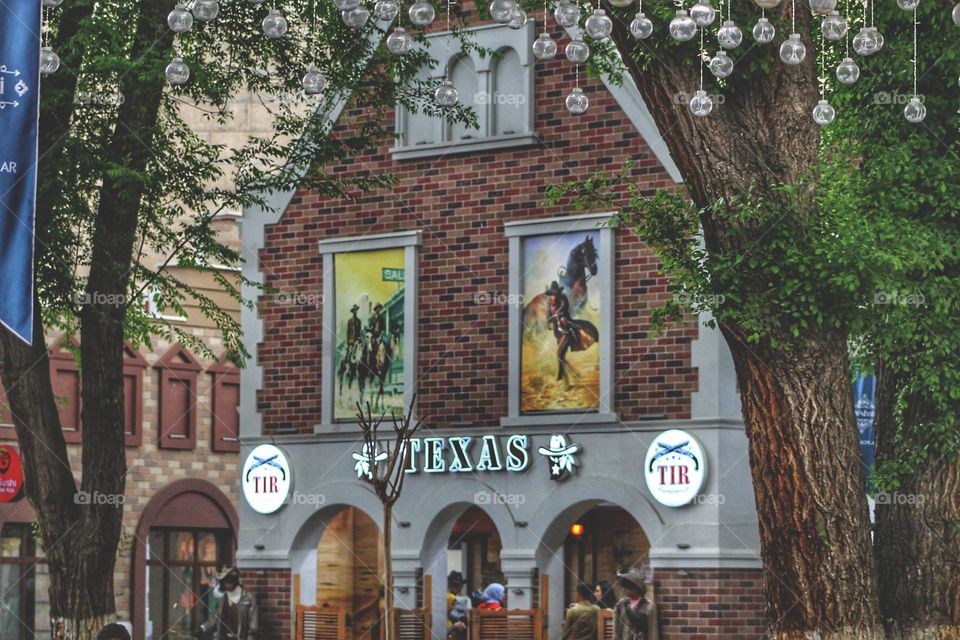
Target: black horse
x=581, y=266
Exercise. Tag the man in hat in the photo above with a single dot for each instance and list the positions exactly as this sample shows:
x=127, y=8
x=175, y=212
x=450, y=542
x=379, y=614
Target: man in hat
x=377, y=324
x=235, y=617
x=457, y=607
x=571, y=334
x=354, y=328
x=635, y=616
x=581, y=620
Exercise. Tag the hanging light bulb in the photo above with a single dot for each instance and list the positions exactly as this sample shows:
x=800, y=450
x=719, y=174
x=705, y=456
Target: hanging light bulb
x=421, y=13
x=49, y=61
x=399, y=42
x=500, y=10
x=956, y=14
x=544, y=47
x=577, y=51
x=908, y=5
x=729, y=35
x=703, y=13
x=179, y=19
x=768, y=4
x=205, y=10
x=518, y=18
x=915, y=111
x=386, y=10
x=620, y=4
x=792, y=51
x=567, y=14
x=682, y=27
x=823, y=7
x=833, y=27
x=274, y=25
x=313, y=82
x=446, y=94
x=356, y=17
x=865, y=43
x=177, y=71
x=847, y=71
x=823, y=113
x=701, y=105
x=764, y=31
x=721, y=65
x=878, y=38
x=577, y=103
x=641, y=27
x=52, y=3
x=599, y=25
x=346, y=5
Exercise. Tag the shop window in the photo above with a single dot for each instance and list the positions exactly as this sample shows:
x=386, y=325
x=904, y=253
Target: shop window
x=65, y=377
x=225, y=429
x=133, y=367
x=179, y=373
x=24, y=585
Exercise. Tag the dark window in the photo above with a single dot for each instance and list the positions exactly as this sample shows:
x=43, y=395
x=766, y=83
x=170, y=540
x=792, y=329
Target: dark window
x=24, y=586
x=178, y=399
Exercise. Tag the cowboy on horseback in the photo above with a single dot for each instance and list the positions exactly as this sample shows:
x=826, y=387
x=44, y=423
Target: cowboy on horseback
x=570, y=334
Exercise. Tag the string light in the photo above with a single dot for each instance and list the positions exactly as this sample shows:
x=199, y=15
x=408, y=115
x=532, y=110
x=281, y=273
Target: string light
x=915, y=111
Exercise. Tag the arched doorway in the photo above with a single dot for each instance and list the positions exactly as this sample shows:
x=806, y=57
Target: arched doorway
x=473, y=549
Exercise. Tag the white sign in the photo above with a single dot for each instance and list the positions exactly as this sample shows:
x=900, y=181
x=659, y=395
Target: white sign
x=266, y=479
x=675, y=468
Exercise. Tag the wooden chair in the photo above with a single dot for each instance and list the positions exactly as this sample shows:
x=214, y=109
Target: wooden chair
x=321, y=623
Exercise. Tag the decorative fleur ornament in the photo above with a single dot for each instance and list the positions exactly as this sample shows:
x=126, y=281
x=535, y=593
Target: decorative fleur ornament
x=399, y=42
x=386, y=10
x=878, y=38
x=865, y=42
x=682, y=27
x=721, y=65
x=768, y=4
x=205, y=10
x=956, y=14
x=544, y=47
x=177, y=72
x=356, y=17
x=792, y=51
x=421, y=13
x=701, y=105
x=179, y=19
x=446, y=94
x=500, y=10
x=313, y=82
x=823, y=7
x=274, y=25
x=833, y=27
x=346, y=5
x=703, y=13
x=599, y=25
x=764, y=32
x=729, y=36
x=847, y=71
x=908, y=5
x=577, y=51
x=823, y=113
x=567, y=14
x=577, y=103
x=915, y=111
x=49, y=61
x=641, y=27
x=518, y=18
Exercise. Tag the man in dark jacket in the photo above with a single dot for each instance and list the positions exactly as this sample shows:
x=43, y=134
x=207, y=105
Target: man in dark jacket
x=635, y=616
x=235, y=617
x=582, y=617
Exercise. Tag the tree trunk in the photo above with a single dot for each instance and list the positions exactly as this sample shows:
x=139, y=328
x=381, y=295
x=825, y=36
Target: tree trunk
x=387, y=572
x=917, y=533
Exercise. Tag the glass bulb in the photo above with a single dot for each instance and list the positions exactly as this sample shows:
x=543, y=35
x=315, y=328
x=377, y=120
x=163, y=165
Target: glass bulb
x=544, y=47
x=865, y=43
x=177, y=71
x=313, y=82
x=446, y=94
x=729, y=36
x=878, y=37
x=386, y=10
x=768, y=4
x=421, y=13
x=908, y=5
x=915, y=111
x=346, y=5
x=577, y=51
x=577, y=103
x=823, y=7
x=567, y=14
x=764, y=31
x=703, y=13
x=847, y=71
x=792, y=50
x=179, y=19
x=52, y=3
x=682, y=27
x=356, y=17
x=823, y=113
x=518, y=18
x=205, y=10
x=721, y=65
x=599, y=25
x=49, y=61
x=641, y=27
x=274, y=25
x=500, y=10
x=956, y=14
x=833, y=27
x=399, y=42
x=701, y=105
x=620, y=4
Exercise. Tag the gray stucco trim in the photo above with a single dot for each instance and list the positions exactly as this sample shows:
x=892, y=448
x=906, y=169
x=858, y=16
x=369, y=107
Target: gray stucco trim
x=716, y=397
x=473, y=145
x=371, y=242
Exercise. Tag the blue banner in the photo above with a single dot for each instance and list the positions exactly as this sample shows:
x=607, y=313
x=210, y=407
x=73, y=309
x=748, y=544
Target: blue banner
x=865, y=405
x=19, y=114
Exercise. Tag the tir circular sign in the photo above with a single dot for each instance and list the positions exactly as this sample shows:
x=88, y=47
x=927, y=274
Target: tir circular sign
x=11, y=474
x=675, y=468
x=266, y=479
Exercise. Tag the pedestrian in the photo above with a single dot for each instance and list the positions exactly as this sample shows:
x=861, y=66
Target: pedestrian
x=458, y=607
x=235, y=617
x=114, y=631
x=582, y=617
x=604, y=595
x=635, y=616
x=493, y=597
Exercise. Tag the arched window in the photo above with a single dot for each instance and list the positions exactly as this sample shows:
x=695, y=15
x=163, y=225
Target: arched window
x=510, y=95
x=419, y=128
x=464, y=77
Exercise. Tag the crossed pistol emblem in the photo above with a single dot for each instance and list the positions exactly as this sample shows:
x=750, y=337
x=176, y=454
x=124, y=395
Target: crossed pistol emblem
x=681, y=449
x=271, y=461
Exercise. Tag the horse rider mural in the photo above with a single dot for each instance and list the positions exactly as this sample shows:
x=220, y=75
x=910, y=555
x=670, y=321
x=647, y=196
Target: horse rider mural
x=571, y=334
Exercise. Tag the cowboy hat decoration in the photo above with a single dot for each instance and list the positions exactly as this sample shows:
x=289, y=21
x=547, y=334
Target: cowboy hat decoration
x=554, y=289
x=561, y=455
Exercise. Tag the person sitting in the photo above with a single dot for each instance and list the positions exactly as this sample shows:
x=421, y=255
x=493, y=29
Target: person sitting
x=582, y=617
x=457, y=607
x=493, y=597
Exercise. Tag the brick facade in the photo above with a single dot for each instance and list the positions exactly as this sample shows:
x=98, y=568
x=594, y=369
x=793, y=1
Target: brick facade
x=699, y=604
x=272, y=587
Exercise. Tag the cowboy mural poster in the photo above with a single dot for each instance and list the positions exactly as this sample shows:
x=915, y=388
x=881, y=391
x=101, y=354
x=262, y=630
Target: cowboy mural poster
x=368, y=363
x=560, y=342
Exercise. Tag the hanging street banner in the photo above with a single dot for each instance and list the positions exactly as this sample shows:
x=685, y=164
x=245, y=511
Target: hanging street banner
x=865, y=405
x=19, y=113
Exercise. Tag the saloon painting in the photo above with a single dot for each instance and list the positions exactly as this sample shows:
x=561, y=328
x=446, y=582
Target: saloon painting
x=368, y=363
x=560, y=343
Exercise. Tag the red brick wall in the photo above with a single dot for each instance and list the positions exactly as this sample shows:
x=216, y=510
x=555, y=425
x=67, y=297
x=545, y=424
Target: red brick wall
x=460, y=203
x=711, y=603
x=272, y=588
